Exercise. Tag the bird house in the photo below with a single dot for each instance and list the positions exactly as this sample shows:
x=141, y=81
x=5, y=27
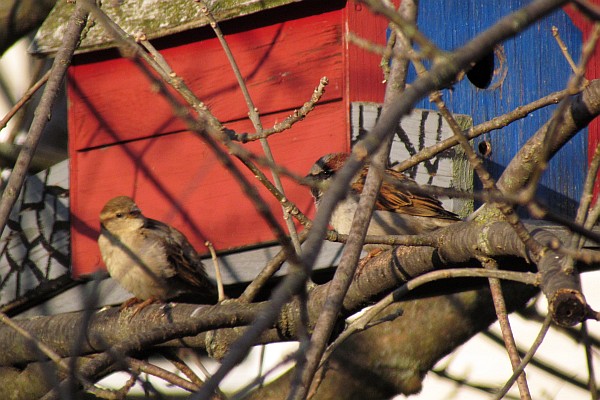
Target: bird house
x=124, y=138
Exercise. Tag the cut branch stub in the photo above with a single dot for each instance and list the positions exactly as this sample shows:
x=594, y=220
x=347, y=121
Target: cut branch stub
x=568, y=307
x=566, y=303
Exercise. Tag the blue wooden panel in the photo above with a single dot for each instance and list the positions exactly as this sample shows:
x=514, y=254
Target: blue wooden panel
x=534, y=67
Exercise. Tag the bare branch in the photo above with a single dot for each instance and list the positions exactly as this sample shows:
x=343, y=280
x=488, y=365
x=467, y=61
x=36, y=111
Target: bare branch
x=59, y=68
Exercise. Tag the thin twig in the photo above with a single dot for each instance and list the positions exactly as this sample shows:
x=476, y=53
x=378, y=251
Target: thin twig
x=583, y=255
x=24, y=99
x=41, y=346
x=589, y=358
x=215, y=261
x=140, y=366
x=20, y=119
x=297, y=116
x=122, y=393
x=485, y=127
x=507, y=334
x=563, y=48
x=266, y=273
x=259, y=380
x=178, y=363
x=254, y=117
x=364, y=321
x=561, y=375
x=386, y=54
x=584, y=205
x=459, y=383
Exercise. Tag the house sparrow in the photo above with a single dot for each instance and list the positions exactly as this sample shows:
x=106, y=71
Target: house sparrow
x=397, y=210
x=150, y=259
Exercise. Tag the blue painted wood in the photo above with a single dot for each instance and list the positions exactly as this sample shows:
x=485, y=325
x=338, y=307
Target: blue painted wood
x=534, y=67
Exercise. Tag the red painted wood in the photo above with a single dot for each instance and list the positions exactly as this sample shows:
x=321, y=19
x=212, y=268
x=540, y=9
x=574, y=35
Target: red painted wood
x=124, y=138
x=282, y=63
x=176, y=179
x=365, y=76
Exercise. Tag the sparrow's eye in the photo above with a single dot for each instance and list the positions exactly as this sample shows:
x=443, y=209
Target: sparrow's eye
x=119, y=215
x=327, y=173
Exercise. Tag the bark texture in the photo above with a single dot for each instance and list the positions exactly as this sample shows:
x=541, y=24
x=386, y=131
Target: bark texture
x=19, y=17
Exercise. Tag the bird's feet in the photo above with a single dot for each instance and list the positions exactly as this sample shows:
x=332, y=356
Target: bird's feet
x=137, y=304
x=362, y=263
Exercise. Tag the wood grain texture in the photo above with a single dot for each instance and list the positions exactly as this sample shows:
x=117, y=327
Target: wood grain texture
x=528, y=67
x=365, y=76
x=420, y=129
x=111, y=101
x=140, y=15
x=35, y=242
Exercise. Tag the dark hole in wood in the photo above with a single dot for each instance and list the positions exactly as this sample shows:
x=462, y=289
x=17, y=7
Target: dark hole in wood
x=482, y=72
x=485, y=148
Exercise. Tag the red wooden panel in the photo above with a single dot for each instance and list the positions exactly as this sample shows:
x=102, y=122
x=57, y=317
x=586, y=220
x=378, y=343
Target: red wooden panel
x=365, y=76
x=176, y=179
x=111, y=101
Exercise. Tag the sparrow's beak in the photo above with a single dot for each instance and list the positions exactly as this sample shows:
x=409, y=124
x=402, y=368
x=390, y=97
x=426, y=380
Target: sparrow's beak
x=309, y=180
x=314, y=184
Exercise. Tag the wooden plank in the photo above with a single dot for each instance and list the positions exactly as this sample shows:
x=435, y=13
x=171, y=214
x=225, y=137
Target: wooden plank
x=137, y=15
x=527, y=67
x=235, y=268
x=111, y=101
x=35, y=243
x=176, y=179
x=365, y=75
x=420, y=129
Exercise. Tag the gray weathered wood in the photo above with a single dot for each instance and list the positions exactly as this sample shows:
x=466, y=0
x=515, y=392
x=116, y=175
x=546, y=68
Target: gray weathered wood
x=420, y=129
x=153, y=18
x=235, y=268
x=35, y=244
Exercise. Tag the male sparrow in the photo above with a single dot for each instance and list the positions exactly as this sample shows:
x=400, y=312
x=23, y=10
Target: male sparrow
x=397, y=210
x=149, y=258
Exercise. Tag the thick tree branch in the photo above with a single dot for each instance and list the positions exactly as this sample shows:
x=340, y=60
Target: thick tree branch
x=382, y=274
x=456, y=245
x=19, y=17
x=394, y=357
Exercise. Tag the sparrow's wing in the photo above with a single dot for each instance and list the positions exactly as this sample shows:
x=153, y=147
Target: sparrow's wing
x=401, y=200
x=181, y=255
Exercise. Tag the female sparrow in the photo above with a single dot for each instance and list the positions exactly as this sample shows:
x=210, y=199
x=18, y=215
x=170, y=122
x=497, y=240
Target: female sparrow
x=150, y=259
x=397, y=210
